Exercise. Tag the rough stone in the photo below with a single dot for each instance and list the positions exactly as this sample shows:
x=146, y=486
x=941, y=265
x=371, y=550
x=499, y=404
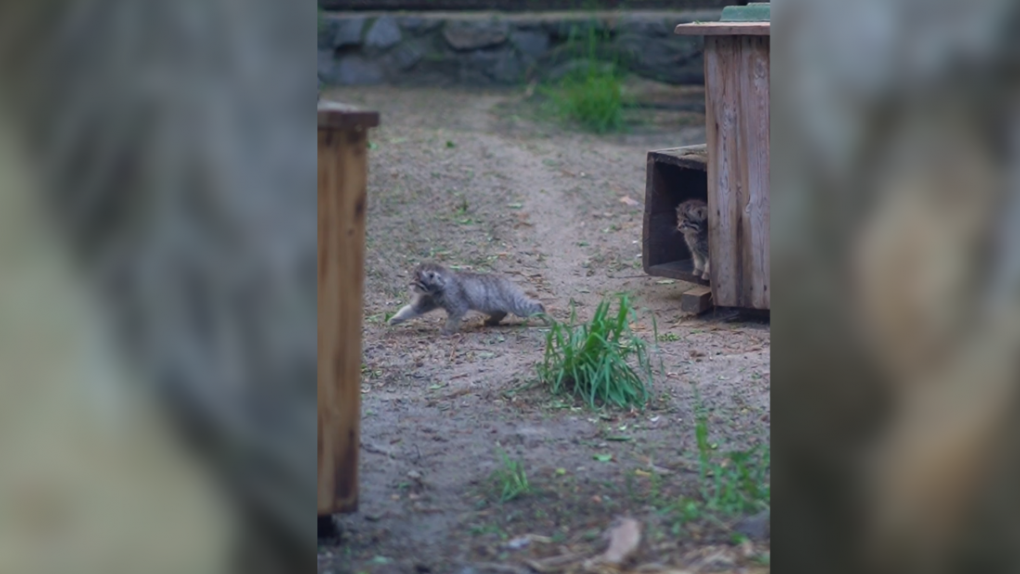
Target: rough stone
x=445, y=49
x=668, y=59
x=508, y=68
x=419, y=25
x=408, y=53
x=473, y=35
x=572, y=66
x=533, y=21
x=383, y=34
x=476, y=67
x=327, y=32
x=757, y=527
x=326, y=65
x=644, y=26
x=562, y=29
x=355, y=70
x=347, y=30
x=565, y=51
x=480, y=61
x=530, y=43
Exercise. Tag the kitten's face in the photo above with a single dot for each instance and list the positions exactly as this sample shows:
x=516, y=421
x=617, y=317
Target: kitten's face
x=692, y=216
x=429, y=279
x=685, y=224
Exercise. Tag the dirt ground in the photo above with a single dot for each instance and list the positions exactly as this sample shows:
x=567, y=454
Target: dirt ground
x=485, y=181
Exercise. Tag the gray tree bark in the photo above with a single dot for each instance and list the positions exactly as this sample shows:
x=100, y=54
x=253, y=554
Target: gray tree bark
x=896, y=297
x=176, y=150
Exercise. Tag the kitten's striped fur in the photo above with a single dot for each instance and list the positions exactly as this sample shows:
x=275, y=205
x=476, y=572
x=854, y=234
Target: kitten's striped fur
x=437, y=287
x=692, y=222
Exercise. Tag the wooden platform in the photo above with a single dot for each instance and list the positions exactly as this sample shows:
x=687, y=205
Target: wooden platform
x=682, y=269
x=673, y=175
x=696, y=301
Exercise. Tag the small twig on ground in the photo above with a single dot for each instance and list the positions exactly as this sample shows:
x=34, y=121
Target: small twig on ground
x=369, y=447
x=505, y=568
x=553, y=564
x=530, y=90
x=453, y=351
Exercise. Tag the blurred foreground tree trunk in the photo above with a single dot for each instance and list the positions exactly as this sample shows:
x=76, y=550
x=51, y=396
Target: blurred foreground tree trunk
x=171, y=149
x=897, y=286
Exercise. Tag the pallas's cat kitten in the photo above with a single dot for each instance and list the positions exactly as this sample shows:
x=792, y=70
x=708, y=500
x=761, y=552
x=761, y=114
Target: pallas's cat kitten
x=436, y=287
x=692, y=222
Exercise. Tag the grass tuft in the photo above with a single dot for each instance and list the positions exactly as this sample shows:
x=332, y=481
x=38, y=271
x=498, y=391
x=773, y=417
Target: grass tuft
x=593, y=99
x=591, y=96
x=592, y=360
x=731, y=484
x=511, y=480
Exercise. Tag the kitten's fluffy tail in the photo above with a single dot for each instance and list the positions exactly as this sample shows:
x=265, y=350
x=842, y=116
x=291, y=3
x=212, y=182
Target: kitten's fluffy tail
x=525, y=306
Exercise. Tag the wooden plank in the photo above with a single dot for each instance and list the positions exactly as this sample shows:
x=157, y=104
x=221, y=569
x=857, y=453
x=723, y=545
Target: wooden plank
x=342, y=116
x=753, y=74
x=724, y=29
x=736, y=78
x=696, y=300
x=688, y=157
x=721, y=128
x=342, y=181
x=682, y=269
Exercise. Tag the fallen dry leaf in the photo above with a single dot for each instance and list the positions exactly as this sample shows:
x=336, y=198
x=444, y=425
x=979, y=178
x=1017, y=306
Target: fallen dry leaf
x=627, y=200
x=553, y=564
x=624, y=539
x=659, y=569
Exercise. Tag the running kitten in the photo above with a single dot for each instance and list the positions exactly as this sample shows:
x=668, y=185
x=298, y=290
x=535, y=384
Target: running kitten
x=436, y=287
x=692, y=222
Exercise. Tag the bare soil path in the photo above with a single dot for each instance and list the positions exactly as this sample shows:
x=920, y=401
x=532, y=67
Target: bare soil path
x=478, y=180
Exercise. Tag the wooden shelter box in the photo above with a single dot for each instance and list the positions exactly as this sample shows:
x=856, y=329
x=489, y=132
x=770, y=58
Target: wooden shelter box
x=731, y=172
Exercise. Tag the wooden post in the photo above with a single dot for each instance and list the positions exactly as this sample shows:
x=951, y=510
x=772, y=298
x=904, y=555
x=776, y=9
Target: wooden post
x=737, y=118
x=343, y=177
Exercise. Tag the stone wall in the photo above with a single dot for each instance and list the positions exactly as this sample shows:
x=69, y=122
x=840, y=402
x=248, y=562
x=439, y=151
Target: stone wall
x=524, y=5
x=486, y=49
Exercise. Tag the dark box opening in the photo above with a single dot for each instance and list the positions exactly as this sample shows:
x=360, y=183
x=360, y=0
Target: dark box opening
x=674, y=175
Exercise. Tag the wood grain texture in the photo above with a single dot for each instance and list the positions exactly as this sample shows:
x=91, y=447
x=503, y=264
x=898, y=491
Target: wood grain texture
x=342, y=200
x=737, y=118
x=688, y=157
x=754, y=124
x=342, y=116
x=724, y=29
x=696, y=300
